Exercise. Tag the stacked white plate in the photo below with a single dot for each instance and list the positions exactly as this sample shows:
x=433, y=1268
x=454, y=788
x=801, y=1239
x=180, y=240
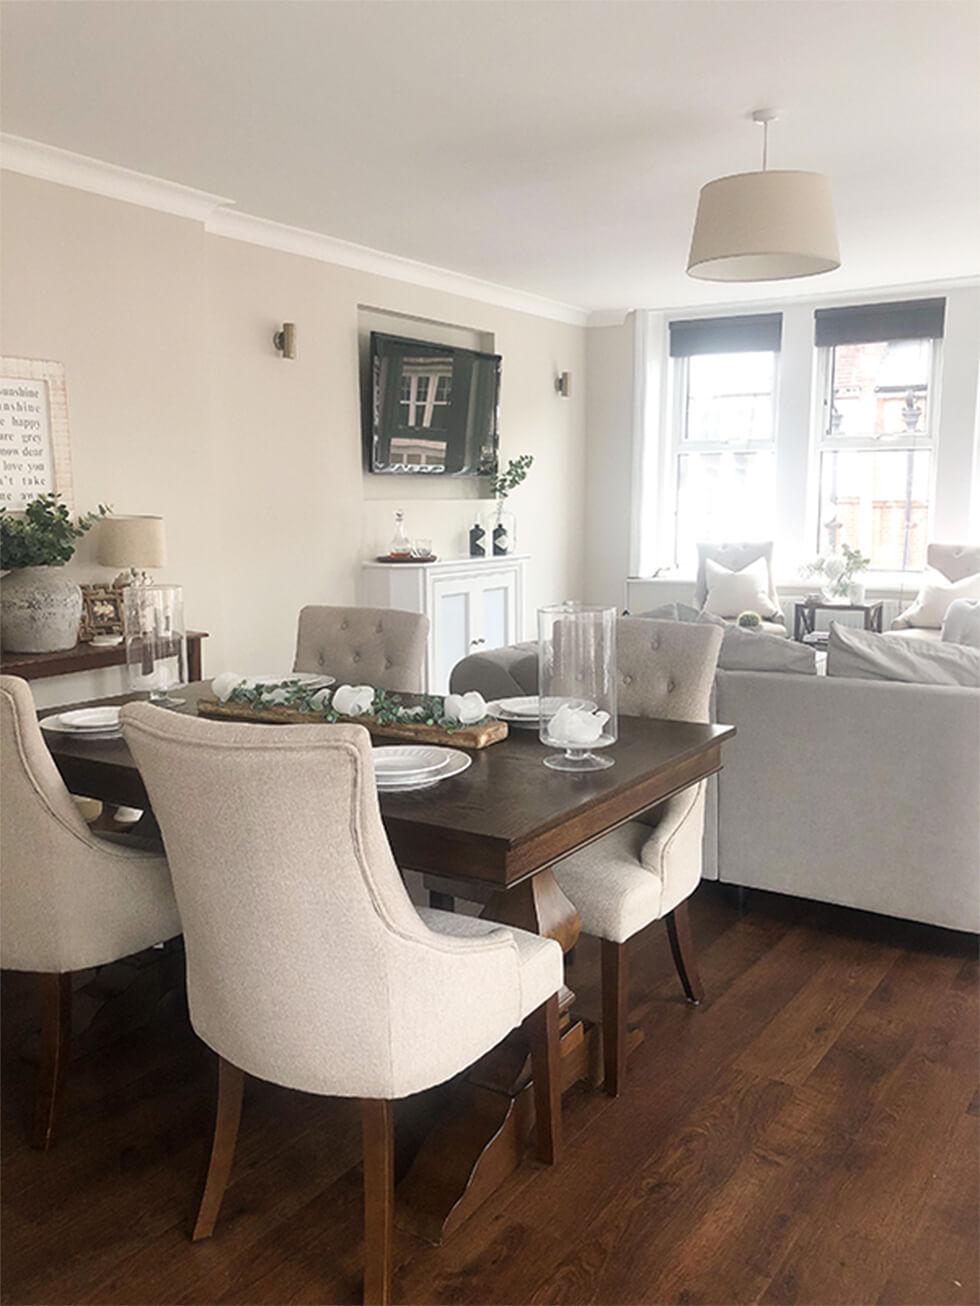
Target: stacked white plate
x=91, y=722
x=400, y=767
x=525, y=713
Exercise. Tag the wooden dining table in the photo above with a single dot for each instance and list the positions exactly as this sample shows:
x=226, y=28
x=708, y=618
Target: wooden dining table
x=500, y=826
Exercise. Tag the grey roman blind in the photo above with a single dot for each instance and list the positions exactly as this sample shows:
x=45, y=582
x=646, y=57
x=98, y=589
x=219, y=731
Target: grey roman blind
x=910, y=319
x=755, y=333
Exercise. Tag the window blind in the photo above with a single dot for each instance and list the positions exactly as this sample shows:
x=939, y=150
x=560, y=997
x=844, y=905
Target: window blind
x=755, y=333
x=910, y=319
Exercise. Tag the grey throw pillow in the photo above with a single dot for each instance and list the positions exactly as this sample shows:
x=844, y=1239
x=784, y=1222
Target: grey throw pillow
x=863, y=655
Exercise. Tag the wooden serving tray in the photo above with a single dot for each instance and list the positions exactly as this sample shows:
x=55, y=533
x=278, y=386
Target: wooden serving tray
x=478, y=736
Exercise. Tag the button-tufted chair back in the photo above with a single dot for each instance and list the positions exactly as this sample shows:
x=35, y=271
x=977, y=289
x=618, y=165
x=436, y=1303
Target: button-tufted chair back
x=734, y=557
x=70, y=900
x=307, y=964
x=381, y=647
x=666, y=668
x=955, y=561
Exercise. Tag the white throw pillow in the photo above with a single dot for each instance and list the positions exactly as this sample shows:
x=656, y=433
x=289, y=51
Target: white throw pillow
x=935, y=596
x=962, y=624
x=733, y=592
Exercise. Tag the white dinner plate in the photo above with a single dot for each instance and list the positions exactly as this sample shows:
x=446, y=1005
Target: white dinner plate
x=56, y=724
x=516, y=710
x=289, y=678
x=458, y=761
x=91, y=718
x=529, y=706
x=409, y=761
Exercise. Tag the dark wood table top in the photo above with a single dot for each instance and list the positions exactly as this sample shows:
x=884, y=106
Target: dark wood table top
x=503, y=819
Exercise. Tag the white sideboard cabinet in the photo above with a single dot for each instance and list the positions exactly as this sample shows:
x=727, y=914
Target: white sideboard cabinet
x=471, y=603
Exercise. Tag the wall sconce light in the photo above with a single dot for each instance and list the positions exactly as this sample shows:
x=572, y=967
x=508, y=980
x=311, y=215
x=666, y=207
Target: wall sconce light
x=563, y=384
x=285, y=340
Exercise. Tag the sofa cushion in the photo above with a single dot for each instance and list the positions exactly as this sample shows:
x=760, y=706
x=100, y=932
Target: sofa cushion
x=865, y=655
x=746, y=650
x=962, y=624
x=732, y=592
x=935, y=597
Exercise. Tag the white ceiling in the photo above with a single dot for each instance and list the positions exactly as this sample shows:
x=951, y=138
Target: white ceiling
x=556, y=148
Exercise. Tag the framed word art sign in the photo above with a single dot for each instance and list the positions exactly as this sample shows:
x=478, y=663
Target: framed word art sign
x=35, y=452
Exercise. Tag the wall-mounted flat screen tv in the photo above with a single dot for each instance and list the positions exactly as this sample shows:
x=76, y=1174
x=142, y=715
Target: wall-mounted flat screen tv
x=433, y=409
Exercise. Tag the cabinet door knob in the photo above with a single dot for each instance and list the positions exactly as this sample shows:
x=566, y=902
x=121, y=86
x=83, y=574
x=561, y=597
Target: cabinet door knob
x=474, y=642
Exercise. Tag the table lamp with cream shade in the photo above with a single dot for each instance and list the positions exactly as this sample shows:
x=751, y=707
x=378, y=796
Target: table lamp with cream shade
x=135, y=543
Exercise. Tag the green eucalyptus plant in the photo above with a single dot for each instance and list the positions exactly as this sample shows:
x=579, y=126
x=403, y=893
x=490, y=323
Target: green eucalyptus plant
x=44, y=535
x=513, y=475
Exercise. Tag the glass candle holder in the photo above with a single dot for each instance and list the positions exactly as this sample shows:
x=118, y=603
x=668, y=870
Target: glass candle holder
x=156, y=642
x=577, y=685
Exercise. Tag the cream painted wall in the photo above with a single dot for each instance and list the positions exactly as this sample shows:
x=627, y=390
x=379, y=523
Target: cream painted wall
x=179, y=405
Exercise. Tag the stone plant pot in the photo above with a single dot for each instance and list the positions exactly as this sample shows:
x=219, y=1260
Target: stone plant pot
x=41, y=610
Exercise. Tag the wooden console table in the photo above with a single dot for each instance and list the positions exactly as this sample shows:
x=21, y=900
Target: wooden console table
x=83, y=657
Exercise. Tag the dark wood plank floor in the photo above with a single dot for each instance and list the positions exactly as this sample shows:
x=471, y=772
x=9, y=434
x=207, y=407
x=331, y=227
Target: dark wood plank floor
x=809, y=1135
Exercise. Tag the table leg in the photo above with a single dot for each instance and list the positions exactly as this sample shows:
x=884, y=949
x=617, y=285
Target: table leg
x=483, y=1137
x=194, y=660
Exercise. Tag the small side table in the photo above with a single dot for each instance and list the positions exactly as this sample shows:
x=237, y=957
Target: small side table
x=805, y=613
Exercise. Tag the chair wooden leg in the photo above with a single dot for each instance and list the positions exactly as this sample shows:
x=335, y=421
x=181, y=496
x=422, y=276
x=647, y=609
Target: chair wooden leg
x=441, y=901
x=55, y=1050
x=615, y=1009
x=682, y=948
x=542, y=1033
x=227, y=1117
x=378, y=1134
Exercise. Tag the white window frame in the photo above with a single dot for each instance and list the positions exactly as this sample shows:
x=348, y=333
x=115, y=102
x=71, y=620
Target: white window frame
x=677, y=400
x=901, y=442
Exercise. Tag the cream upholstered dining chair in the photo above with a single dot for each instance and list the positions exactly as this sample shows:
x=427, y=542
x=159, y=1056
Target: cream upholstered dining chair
x=307, y=964
x=70, y=899
x=637, y=874
x=381, y=647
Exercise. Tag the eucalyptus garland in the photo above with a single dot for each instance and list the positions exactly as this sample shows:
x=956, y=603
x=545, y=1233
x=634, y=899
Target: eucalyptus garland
x=387, y=708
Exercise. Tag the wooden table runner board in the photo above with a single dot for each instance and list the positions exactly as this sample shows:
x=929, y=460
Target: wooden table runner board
x=473, y=737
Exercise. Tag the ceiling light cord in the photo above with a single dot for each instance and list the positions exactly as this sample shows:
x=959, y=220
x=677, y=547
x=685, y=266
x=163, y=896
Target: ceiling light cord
x=764, y=117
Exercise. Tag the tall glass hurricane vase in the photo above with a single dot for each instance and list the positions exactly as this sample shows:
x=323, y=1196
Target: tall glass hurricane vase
x=156, y=643
x=577, y=685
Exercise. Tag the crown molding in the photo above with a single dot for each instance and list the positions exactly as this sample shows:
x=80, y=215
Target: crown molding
x=607, y=317
x=49, y=163
x=234, y=225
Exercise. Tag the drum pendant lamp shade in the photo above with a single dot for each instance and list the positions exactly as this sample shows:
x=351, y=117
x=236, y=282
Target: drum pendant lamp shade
x=764, y=226
x=132, y=542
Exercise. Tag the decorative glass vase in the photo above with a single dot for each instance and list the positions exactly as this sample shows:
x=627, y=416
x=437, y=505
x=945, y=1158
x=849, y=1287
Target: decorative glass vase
x=577, y=685
x=156, y=641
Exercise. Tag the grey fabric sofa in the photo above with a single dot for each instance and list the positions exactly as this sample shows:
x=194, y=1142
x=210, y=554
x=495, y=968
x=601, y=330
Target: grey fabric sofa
x=861, y=793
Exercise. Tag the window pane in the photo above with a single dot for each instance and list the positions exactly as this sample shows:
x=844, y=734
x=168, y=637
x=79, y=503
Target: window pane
x=876, y=501
x=880, y=389
x=723, y=496
x=729, y=397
